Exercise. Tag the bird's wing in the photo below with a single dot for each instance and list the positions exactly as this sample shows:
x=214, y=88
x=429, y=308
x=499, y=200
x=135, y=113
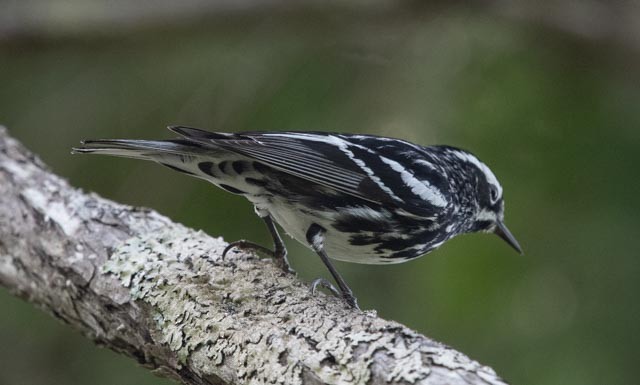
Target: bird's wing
x=331, y=160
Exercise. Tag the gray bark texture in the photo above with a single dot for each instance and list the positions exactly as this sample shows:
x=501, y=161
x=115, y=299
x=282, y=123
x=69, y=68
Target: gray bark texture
x=135, y=282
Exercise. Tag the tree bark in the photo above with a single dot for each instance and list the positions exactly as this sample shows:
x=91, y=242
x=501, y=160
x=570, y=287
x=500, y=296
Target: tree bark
x=130, y=279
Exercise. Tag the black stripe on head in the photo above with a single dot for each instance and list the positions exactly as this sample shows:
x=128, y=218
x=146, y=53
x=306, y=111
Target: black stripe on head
x=207, y=168
x=230, y=189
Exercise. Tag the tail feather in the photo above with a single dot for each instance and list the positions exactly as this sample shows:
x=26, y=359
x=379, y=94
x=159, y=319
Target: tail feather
x=198, y=135
x=183, y=154
x=140, y=149
x=180, y=155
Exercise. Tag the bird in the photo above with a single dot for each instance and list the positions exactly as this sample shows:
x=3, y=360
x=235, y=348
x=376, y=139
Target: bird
x=351, y=197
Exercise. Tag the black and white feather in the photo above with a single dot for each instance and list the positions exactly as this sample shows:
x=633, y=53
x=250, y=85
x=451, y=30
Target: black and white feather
x=379, y=200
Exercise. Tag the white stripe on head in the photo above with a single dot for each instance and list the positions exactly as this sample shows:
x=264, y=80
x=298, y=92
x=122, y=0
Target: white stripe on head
x=491, y=178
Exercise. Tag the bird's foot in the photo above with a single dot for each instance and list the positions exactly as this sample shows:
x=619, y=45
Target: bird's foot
x=279, y=255
x=323, y=283
x=348, y=297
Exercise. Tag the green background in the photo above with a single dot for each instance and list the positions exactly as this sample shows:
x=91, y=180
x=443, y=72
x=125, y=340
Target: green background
x=557, y=119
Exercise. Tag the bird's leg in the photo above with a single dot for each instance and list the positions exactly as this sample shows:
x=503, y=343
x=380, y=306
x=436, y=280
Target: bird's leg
x=345, y=291
x=279, y=249
x=279, y=252
x=315, y=237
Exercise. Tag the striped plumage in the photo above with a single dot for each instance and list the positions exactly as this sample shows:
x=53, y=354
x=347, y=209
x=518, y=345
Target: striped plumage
x=356, y=198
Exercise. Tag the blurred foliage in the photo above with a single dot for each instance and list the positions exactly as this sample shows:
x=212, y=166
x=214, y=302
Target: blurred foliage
x=558, y=121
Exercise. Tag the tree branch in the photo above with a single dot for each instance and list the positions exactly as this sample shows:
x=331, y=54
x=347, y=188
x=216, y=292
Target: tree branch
x=137, y=283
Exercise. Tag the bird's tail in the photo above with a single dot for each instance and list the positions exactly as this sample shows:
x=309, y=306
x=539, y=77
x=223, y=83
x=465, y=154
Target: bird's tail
x=180, y=155
x=138, y=149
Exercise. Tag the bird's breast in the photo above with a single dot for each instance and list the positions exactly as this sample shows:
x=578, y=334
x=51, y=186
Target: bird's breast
x=358, y=234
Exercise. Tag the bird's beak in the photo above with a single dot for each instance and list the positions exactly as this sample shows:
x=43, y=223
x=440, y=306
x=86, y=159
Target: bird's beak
x=503, y=232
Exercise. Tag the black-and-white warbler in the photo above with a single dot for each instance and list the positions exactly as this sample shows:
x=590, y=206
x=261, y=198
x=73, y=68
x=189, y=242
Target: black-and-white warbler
x=356, y=198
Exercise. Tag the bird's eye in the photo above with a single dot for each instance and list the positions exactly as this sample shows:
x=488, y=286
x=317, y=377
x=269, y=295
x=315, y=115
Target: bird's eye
x=493, y=194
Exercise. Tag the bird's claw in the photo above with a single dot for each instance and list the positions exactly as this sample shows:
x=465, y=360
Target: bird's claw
x=351, y=300
x=279, y=256
x=347, y=297
x=245, y=245
x=323, y=283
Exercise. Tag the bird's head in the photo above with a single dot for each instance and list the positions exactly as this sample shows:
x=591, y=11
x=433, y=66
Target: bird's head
x=482, y=196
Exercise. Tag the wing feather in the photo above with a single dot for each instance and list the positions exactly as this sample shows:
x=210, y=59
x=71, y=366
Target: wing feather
x=319, y=158
x=336, y=161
